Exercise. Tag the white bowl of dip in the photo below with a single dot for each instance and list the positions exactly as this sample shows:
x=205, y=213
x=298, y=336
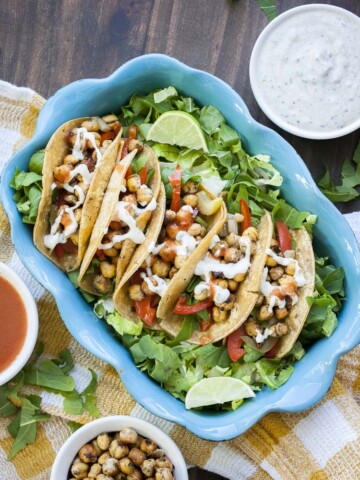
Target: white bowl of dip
x=87, y=433
x=27, y=323
x=305, y=71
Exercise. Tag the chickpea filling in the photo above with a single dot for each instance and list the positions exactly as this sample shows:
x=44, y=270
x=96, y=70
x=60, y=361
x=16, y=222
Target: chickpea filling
x=134, y=199
x=219, y=275
x=181, y=233
x=281, y=278
x=121, y=455
x=86, y=146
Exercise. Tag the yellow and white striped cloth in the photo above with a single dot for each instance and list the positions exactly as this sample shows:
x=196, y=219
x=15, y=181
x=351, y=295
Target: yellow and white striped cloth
x=321, y=443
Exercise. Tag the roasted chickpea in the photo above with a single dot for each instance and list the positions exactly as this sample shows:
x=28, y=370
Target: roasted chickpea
x=191, y=200
x=136, y=475
x=118, y=449
x=126, y=465
x=194, y=230
x=98, y=450
x=103, y=440
x=219, y=248
x=179, y=261
x=77, y=214
x=252, y=327
x=80, y=470
x=163, y=474
x=62, y=173
x=259, y=301
x=290, y=269
x=133, y=183
x=136, y=293
x=148, y=446
x=170, y=216
x=286, y=279
x=275, y=273
x=168, y=252
x=95, y=469
x=102, y=476
x=70, y=160
x=221, y=282
x=71, y=136
x=110, y=118
x=148, y=467
x=144, y=195
x=184, y=217
x=203, y=295
x=130, y=199
x=251, y=233
x=110, y=467
x=164, y=462
x=172, y=230
x=161, y=268
x=145, y=287
x=264, y=313
x=190, y=187
x=218, y=315
x=108, y=270
x=240, y=277
x=270, y=261
x=232, y=285
x=111, y=252
x=280, y=329
x=232, y=255
x=105, y=144
x=135, y=144
x=137, y=456
x=228, y=304
x=232, y=240
x=281, y=313
x=172, y=272
x=103, y=457
x=128, y=435
x=87, y=454
x=91, y=125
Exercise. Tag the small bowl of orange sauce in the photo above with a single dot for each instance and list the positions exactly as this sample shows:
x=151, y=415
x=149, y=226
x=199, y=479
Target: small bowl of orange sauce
x=18, y=323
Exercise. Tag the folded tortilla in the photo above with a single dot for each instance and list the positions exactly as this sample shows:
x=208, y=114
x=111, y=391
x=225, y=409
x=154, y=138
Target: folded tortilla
x=55, y=151
x=296, y=319
x=246, y=294
x=122, y=301
x=86, y=280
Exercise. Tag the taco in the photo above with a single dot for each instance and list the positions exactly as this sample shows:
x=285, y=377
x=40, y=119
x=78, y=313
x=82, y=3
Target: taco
x=221, y=288
x=193, y=217
x=129, y=204
x=287, y=279
x=79, y=160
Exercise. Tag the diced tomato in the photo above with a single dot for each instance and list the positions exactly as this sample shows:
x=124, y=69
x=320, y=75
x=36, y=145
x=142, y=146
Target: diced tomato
x=59, y=251
x=128, y=172
x=62, y=248
x=272, y=352
x=143, y=174
x=100, y=255
x=234, y=343
x=133, y=131
x=107, y=136
x=246, y=223
x=175, y=181
x=204, y=326
x=124, y=151
x=284, y=236
x=182, y=309
x=154, y=300
x=145, y=311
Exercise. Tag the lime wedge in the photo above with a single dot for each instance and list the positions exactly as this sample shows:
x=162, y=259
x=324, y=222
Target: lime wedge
x=178, y=128
x=217, y=390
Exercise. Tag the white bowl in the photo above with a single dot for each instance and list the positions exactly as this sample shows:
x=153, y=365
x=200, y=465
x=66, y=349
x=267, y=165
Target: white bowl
x=272, y=112
x=88, y=432
x=32, y=323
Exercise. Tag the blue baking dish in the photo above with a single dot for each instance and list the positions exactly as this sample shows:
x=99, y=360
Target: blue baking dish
x=314, y=373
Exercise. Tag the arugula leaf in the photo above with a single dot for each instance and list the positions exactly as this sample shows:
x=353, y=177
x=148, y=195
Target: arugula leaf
x=49, y=375
x=36, y=162
x=92, y=384
x=74, y=426
x=188, y=327
x=268, y=7
x=65, y=361
x=90, y=405
x=73, y=403
x=349, y=180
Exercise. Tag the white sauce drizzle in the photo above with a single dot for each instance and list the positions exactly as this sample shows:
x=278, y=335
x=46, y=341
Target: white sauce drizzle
x=81, y=136
x=161, y=286
x=187, y=244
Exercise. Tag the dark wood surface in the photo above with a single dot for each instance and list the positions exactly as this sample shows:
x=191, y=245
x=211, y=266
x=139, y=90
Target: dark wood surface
x=45, y=44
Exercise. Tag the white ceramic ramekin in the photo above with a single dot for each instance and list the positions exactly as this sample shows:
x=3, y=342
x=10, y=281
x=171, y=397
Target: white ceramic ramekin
x=32, y=323
x=90, y=431
x=269, y=111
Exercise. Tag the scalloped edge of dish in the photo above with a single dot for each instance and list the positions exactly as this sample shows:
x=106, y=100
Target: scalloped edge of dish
x=208, y=425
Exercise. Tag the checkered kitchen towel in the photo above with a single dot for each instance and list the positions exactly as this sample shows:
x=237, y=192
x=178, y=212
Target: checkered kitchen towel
x=321, y=443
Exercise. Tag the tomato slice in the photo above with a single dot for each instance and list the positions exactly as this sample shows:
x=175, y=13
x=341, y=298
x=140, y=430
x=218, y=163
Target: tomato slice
x=100, y=255
x=182, y=309
x=234, y=343
x=59, y=251
x=145, y=311
x=62, y=248
x=107, y=136
x=175, y=181
x=284, y=236
x=246, y=223
x=143, y=174
x=128, y=172
x=133, y=131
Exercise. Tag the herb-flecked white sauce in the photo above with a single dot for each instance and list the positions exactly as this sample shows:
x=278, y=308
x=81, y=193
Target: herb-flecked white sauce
x=309, y=70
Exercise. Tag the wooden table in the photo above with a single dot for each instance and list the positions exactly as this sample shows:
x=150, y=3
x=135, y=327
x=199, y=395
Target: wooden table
x=47, y=44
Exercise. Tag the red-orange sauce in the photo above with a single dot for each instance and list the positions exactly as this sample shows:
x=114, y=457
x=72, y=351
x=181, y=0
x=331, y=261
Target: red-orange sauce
x=13, y=323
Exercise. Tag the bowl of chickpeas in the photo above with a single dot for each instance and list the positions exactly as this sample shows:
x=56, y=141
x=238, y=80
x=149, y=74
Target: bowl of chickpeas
x=119, y=448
